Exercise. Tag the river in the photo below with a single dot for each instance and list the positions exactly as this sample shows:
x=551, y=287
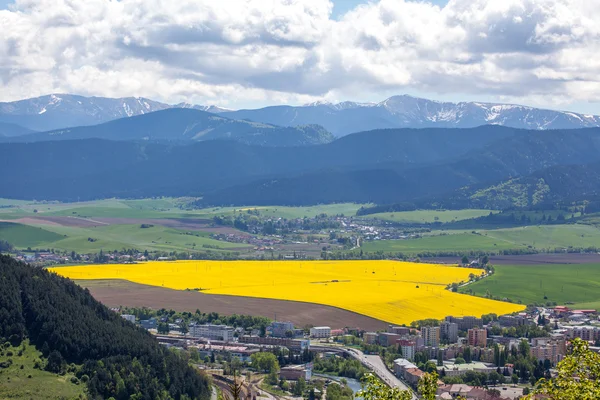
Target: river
x=351, y=383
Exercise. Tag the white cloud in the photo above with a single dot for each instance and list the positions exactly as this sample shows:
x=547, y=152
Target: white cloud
x=268, y=51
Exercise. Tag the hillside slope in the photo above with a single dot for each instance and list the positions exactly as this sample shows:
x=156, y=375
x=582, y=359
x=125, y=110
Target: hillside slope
x=187, y=125
x=419, y=163
x=69, y=326
x=557, y=184
x=10, y=130
x=515, y=156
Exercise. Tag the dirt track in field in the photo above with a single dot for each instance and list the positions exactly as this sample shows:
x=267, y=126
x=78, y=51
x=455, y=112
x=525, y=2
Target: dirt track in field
x=80, y=222
x=30, y=221
x=124, y=293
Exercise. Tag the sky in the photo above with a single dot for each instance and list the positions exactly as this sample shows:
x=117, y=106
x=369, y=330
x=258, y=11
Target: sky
x=254, y=53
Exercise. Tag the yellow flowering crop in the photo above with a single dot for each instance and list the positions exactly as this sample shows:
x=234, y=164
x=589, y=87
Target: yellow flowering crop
x=391, y=291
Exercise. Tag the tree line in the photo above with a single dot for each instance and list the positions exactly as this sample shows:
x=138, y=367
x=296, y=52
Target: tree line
x=69, y=326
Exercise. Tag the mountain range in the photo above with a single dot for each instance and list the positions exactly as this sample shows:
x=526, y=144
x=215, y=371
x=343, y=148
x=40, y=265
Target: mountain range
x=134, y=147
x=59, y=111
x=186, y=125
x=411, y=112
x=381, y=166
x=12, y=130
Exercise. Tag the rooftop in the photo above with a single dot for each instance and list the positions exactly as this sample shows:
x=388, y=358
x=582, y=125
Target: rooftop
x=402, y=362
x=464, y=367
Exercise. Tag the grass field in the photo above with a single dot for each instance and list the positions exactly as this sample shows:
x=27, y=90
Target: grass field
x=429, y=216
x=32, y=383
x=549, y=236
x=579, y=284
x=111, y=237
x=24, y=236
x=449, y=242
x=545, y=237
x=158, y=208
x=386, y=290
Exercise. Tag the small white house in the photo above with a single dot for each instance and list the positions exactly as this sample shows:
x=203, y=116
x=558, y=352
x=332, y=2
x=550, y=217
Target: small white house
x=320, y=332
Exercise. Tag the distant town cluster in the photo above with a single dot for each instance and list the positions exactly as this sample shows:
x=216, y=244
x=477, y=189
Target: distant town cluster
x=474, y=357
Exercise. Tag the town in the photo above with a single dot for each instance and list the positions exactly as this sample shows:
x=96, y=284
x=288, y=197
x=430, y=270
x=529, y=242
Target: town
x=492, y=357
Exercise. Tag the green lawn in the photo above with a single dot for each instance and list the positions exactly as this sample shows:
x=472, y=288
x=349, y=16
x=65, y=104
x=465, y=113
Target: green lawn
x=113, y=237
x=23, y=236
x=429, y=216
x=545, y=237
x=572, y=283
x=32, y=383
x=549, y=236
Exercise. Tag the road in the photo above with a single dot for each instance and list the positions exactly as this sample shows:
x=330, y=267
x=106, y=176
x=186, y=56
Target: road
x=372, y=362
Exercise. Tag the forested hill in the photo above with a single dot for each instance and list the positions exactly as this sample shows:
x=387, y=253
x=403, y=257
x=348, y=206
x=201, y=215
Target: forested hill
x=179, y=125
x=69, y=326
x=384, y=167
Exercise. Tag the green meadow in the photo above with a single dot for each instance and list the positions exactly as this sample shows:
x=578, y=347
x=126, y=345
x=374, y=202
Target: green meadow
x=110, y=237
x=575, y=284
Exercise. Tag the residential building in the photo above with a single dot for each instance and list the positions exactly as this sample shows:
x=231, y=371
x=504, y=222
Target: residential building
x=401, y=365
x=387, y=339
x=450, y=369
x=513, y=320
x=370, y=337
x=212, y=332
x=408, y=348
x=449, y=331
x=151, y=323
x=431, y=335
x=281, y=329
x=477, y=337
x=295, y=372
x=587, y=333
x=292, y=344
x=412, y=376
x=548, y=349
x=452, y=351
x=128, y=317
x=466, y=323
x=337, y=332
x=320, y=332
x=450, y=392
x=243, y=353
x=398, y=330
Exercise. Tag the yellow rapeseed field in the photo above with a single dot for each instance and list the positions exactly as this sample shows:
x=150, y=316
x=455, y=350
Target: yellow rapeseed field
x=396, y=292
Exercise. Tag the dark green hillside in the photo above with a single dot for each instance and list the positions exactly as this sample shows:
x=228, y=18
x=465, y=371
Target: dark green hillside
x=9, y=130
x=187, y=125
x=428, y=186
x=69, y=326
x=550, y=186
x=413, y=164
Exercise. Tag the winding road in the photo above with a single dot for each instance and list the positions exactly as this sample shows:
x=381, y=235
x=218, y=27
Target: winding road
x=372, y=362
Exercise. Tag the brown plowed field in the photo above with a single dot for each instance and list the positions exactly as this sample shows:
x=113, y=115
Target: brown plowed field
x=123, y=293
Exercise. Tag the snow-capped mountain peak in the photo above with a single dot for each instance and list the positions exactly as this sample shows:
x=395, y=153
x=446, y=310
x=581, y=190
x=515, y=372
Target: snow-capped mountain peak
x=58, y=111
